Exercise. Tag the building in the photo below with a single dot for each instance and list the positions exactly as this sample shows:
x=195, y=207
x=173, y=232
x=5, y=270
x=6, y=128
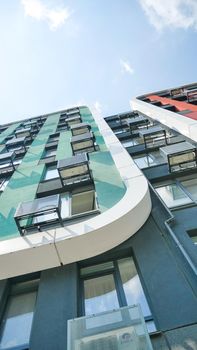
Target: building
x=98, y=216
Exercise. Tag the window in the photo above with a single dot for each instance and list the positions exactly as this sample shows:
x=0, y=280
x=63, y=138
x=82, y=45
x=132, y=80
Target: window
x=111, y=285
x=193, y=235
x=178, y=193
x=32, y=215
x=128, y=143
x=54, y=137
x=51, y=173
x=150, y=159
x=49, y=153
x=18, y=316
x=191, y=187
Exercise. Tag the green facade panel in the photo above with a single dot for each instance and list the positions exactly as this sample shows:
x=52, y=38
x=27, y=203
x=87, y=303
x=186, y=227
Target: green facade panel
x=36, y=150
x=24, y=182
x=64, y=149
x=109, y=186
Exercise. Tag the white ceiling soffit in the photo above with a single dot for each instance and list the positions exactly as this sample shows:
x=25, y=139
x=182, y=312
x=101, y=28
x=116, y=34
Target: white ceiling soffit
x=90, y=237
x=178, y=122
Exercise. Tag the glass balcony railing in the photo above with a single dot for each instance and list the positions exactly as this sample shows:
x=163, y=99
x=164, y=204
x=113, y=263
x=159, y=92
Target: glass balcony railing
x=120, y=329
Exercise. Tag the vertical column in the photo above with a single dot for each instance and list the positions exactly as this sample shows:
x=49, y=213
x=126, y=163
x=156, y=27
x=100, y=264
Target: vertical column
x=56, y=303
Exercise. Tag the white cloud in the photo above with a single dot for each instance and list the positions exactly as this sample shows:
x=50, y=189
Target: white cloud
x=126, y=67
x=171, y=13
x=55, y=17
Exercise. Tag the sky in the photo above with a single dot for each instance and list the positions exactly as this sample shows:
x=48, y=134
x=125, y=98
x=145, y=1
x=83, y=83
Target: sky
x=60, y=53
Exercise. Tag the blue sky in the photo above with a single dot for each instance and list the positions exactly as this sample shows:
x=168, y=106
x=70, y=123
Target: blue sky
x=59, y=53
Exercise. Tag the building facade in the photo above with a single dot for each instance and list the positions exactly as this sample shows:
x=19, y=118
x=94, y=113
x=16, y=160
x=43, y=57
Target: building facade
x=98, y=228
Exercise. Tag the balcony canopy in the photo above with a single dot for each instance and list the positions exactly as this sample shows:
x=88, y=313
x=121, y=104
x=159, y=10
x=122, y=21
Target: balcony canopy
x=74, y=169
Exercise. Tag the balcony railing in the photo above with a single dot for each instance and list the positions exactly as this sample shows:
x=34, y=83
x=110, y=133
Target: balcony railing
x=180, y=156
x=121, y=329
x=74, y=170
x=37, y=212
x=153, y=136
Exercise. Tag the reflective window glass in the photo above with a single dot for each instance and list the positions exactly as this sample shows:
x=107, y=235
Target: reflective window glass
x=51, y=173
x=129, y=143
x=50, y=152
x=132, y=285
x=191, y=187
x=144, y=162
x=17, y=320
x=173, y=195
x=100, y=294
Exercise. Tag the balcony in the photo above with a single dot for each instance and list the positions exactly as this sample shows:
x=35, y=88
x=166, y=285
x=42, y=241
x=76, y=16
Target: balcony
x=120, y=329
x=80, y=128
x=153, y=137
x=18, y=144
x=83, y=143
x=134, y=123
x=180, y=156
x=25, y=132
x=7, y=162
x=37, y=212
x=192, y=96
x=73, y=120
x=74, y=170
x=54, y=210
x=70, y=113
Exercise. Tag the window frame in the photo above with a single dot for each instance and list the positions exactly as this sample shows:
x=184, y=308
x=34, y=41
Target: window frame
x=115, y=272
x=17, y=287
x=178, y=182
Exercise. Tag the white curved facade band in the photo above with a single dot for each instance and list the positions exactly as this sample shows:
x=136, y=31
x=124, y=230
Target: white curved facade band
x=90, y=237
x=178, y=122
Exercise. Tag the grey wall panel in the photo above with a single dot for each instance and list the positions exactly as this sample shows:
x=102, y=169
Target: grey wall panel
x=56, y=303
x=183, y=338
x=171, y=297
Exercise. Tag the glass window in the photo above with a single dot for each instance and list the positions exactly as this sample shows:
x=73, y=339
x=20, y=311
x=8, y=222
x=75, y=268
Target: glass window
x=132, y=285
x=173, y=195
x=144, y=161
x=49, y=153
x=191, y=187
x=46, y=203
x=129, y=143
x=194, y=239
x=100, y=294
x=112, y=285
x=51, y=173
x=17, y=320
x=193, y=235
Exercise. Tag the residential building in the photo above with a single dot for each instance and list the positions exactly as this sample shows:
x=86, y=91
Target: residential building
x=98, y=228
